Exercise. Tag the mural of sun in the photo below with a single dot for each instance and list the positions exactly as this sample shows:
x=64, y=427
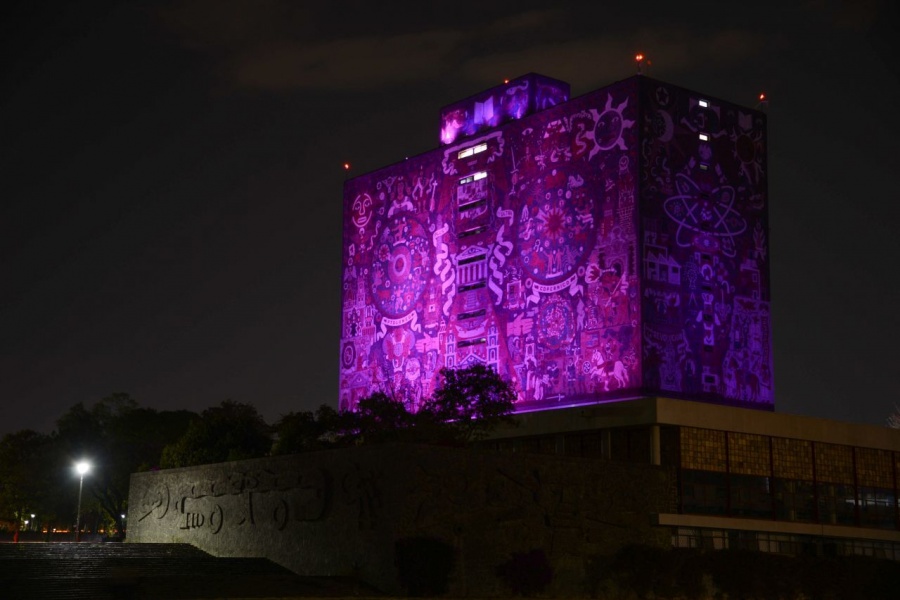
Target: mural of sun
x=610, y=124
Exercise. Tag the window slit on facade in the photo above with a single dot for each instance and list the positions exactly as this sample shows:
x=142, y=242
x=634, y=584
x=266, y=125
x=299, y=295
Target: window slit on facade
x=467, y=152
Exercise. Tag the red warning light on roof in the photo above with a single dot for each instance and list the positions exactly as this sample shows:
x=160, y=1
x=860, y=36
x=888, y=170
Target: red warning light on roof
x=506, y=81
x=762, y=96
x=639, y=57
x=346, y=166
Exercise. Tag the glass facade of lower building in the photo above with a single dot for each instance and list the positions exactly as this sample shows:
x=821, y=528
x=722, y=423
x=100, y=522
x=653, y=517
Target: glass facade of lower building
x=782, y=543
x=750, y=476
x=755, y=476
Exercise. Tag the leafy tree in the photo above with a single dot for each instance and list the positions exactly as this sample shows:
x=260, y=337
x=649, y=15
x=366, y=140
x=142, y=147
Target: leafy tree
x=527, y=573
x=296, y=432
x=424, y=565
x=467, y=406
x=471, y=402
x=118, y=437
x=21, y=475
x=305, y=431
x=230, y=431
x=380, y=418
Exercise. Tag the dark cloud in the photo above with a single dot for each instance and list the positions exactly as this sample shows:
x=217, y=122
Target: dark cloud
x=352, y=63
x=588, y=62
x=283, y=46
x=171, y=194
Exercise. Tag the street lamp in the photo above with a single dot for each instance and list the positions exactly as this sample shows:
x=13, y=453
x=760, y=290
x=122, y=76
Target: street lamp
x=82, y=468
x=32, y=521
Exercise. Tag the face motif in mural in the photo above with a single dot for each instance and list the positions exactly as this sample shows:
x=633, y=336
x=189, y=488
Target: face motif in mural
x=361, y=211
x=611, y=125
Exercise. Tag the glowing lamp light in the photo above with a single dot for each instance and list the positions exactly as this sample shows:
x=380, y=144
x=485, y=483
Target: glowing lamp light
x=506, y=81
x=638, y=57
x=81, y=468
x=762, y=96
x=346, y=166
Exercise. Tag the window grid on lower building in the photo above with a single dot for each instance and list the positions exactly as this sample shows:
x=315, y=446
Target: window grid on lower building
x=792, y=459
x=873, y=467
x=834, y=463
x=703, y=449
x=781, y=543
x=748, y=454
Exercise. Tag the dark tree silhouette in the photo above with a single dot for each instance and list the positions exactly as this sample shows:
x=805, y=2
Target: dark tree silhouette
x=306, y=431
x=118, y=437
x=471, y=402
x=230, y=431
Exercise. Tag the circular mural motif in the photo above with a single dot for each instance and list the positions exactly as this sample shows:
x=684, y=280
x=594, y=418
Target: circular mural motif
x=398, y=275
x=556, y=322
x=348, y=355
x=555, y=227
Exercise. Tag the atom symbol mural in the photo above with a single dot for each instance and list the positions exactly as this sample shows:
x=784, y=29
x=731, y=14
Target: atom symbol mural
x=706, y=214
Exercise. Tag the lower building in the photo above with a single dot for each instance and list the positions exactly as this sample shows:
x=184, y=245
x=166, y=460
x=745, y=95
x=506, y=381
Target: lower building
x=577, y=485
x=744, y=478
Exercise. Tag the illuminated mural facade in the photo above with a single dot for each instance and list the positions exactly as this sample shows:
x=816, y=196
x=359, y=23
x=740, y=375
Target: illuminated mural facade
x=610, y=246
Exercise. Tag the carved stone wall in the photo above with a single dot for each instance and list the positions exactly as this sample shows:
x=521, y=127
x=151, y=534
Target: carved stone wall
x=340, y=512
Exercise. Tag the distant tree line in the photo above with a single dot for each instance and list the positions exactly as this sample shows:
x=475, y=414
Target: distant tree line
x=119, y=437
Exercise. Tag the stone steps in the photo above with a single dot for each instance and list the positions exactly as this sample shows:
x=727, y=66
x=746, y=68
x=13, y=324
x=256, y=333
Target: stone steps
x=148, y=571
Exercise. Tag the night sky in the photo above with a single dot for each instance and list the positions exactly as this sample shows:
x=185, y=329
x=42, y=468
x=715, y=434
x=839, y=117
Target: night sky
x=171, y=179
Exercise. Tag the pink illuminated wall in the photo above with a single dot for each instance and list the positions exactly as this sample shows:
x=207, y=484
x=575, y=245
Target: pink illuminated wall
x=593, y=250
x=705, y=269
x=513, y=100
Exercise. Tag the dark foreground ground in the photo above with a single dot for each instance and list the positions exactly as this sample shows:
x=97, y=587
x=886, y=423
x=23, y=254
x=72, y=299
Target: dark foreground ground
x=62, y=571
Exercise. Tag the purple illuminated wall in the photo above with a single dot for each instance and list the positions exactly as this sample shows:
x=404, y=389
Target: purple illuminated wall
x=513, y=100
x=705, y=272
x=593, y=250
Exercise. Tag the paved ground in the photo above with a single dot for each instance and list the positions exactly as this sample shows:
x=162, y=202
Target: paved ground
x=115, y=571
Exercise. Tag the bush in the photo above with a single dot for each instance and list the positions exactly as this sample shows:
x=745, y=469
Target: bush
x=423, y=565
x=527, y=573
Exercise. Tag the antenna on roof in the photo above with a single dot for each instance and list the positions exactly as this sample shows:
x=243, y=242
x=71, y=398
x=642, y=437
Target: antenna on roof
x=641, y=60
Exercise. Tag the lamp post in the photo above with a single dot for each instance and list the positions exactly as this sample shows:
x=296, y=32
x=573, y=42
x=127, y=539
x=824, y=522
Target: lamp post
x=32, y=521
x=82, y=468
